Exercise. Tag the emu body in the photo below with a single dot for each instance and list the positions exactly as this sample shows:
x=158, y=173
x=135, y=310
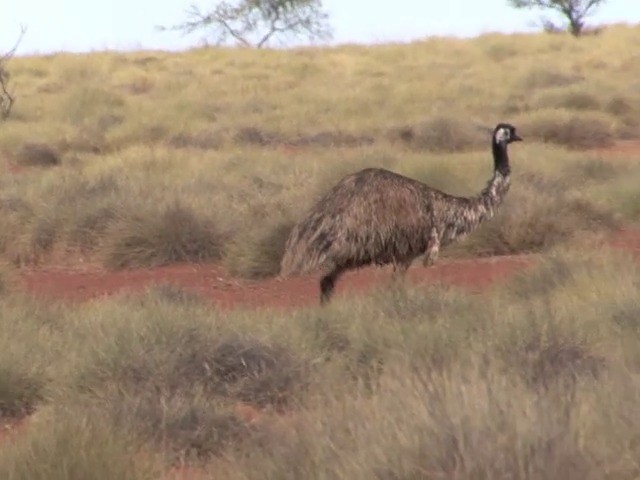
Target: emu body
x=377, y=217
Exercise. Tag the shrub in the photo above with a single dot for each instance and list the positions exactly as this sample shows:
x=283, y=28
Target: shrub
x=595, y=169
x=88, y=103
x=254, y=136
x=534, y=218
x=176, y=234
x=20, y=390
x=537, y=78
x=441, y=134
x=620, y=106
x=257, y=252
x=176, y=381
x=90, y=225
x=574, y=130
x=38, y=155
x=202, y=139
x=570, y=98
x=183, y=359
x=329, y=139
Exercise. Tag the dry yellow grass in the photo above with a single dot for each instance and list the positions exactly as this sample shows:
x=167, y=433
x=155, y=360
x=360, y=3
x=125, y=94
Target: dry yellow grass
x=534, y=380
x=213, y=130
x=168, y=157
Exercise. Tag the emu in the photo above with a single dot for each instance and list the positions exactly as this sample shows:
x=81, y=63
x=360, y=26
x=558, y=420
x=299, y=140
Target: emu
x=378, y=217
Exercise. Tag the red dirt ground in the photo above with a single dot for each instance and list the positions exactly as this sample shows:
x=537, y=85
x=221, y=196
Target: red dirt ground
x=224, y=291
x=212, y=281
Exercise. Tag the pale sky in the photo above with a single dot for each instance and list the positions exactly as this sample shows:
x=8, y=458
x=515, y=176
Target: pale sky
x=85, y=25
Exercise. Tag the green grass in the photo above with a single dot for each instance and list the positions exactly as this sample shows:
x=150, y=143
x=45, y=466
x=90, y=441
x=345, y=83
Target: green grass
x=241, y=142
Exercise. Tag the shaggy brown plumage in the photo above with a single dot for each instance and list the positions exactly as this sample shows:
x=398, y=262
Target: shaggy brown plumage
x=378, y=217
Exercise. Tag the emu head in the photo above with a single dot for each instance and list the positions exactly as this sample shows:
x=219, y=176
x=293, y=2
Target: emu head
x=504, y=134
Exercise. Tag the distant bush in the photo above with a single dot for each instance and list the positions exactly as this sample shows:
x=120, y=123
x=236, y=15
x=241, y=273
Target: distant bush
x=627, y=111
x=258, y=136
x=595, y=169
x=251, y=135
x=574, y=130
x=541, y=77
x=202, y=139
x=441, y=134
x=88, y=103
x=38, y=155
x=571, y=98
x=330, y=139
x=620, y=106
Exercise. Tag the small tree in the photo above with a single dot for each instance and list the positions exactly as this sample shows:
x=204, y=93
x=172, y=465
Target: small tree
x=256, y=22
x=575, y=11
x=7, y=98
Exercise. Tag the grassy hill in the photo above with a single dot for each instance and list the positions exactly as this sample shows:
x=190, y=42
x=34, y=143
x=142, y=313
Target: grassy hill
x=230, y=144
x=148, y=158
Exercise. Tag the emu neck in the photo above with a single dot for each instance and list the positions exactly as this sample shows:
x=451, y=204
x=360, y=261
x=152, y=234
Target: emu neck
x=500, y=158
x=495, y=191
x=464, y=217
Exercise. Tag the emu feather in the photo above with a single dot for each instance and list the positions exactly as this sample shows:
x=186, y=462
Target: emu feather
x=377, y=217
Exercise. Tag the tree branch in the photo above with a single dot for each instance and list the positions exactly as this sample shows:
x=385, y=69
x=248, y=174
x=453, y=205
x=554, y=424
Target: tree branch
x=6, y=98
x=256, y=22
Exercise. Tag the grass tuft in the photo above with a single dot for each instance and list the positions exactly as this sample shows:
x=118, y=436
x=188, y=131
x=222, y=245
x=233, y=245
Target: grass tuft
x=72, y=444
x=177, y=234
x=184, y=427
x=257, y=253
x=536, y=217
x=20, y=391
x=547, y=361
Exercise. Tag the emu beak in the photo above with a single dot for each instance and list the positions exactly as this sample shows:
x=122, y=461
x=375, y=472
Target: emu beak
x=516, y=138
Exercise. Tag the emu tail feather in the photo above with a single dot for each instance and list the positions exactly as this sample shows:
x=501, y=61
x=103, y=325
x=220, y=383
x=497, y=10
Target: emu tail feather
x=307, y=249
x=300, y=257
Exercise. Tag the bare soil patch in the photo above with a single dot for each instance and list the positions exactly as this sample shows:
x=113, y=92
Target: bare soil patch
x=214, y=283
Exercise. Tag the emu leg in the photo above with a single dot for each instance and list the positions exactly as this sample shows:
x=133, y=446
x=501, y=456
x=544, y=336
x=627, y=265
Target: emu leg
x=433, y=247
x=328, y=283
